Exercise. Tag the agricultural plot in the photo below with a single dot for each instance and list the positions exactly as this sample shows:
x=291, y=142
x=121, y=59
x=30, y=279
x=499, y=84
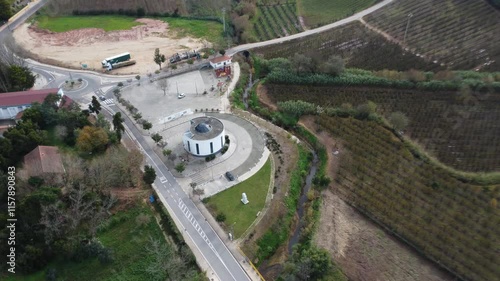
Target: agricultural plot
x=276, y=21
x=321, y=12
x=459, y=34
x=461, y=130
x=357, y=45
x=454, y=223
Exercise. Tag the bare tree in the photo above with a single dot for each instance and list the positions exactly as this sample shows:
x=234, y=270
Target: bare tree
x=54, y=220
x=162, y=84
x=82, y=206
x=103, y=213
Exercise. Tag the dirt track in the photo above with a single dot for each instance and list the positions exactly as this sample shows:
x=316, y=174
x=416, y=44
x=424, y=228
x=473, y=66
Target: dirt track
x=91, y=45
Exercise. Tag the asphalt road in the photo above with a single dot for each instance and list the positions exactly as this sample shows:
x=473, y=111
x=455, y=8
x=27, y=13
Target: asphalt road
x=352, y=18
x=180, y=206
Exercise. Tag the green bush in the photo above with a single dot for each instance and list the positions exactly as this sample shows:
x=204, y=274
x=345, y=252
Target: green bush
x=221, y=217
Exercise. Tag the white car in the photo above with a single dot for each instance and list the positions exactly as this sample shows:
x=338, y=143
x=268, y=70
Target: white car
x=181, y=95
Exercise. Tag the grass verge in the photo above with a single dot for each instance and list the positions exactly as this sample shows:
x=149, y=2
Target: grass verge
x=67, y=23
x=228, y=201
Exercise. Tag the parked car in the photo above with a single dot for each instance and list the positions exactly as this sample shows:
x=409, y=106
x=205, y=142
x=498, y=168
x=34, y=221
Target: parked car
x=181, y=95
x=229, y=176
x=103, y=98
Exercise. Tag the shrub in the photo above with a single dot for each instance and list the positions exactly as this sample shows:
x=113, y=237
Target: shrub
x=221, y=217
x=120, y=84
x=180, y=168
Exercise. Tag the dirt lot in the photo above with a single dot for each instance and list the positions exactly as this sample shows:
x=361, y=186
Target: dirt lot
x=361, y=248
x=91, y=45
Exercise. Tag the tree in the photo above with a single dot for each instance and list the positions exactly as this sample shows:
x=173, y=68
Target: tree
x=147, y=125
x=20, y=78
x=222, y=52
x=156, y=137
x=162, y=84
x=92, y=139
x=138, y=78
x=5, y=11
x=141, y=12
x=149, y=174
x=302, y=64
x=103, y=123
x=334, y=65
x=399, y=121
x=118, y=125
x=241, y=23
x=24, y=137
x=180, y=168
x=159, y=58
x=94, y=105
x=366, y=109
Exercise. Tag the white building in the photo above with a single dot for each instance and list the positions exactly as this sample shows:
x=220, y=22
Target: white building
x=220, y=62
x=204, y=137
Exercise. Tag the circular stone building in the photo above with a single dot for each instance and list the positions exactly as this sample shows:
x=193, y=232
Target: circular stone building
x=205, y=136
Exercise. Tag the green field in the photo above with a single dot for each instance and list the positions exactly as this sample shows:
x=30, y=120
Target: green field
x=321, y=12
x=209, y=30
x=126, y=238
x=108, y=23
x=228, y=201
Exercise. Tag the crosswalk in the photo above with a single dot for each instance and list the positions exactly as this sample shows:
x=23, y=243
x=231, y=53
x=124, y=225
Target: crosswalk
x=108, y=102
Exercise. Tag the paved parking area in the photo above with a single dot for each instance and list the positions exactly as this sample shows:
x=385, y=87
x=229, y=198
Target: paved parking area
x=160, y=108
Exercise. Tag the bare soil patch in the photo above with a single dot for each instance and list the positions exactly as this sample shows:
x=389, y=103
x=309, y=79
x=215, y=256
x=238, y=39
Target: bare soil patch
x=91, y=45
x=361, y=248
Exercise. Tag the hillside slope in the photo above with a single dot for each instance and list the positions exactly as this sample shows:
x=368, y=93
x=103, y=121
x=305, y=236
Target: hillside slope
x=188, y=7
x=457, y=128
x=459, y=34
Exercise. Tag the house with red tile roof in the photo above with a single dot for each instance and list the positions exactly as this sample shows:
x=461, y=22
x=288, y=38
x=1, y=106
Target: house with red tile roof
x=220, y=62
x=43, y=161
x=11, y=104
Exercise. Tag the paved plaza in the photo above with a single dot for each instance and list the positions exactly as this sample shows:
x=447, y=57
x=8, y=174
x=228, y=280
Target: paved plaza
x=171, y=117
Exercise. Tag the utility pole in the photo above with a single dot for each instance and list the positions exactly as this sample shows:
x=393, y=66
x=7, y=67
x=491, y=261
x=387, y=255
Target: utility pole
x=224, y=19
x=407, y=25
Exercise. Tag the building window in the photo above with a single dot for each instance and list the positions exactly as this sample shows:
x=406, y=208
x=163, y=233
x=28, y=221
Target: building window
x=197, y=149
x=211, y=147
x=189, y=147
x=221, y=141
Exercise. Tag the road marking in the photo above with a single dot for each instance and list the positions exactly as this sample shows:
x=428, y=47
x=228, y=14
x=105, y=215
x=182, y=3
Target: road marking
x=163, y=180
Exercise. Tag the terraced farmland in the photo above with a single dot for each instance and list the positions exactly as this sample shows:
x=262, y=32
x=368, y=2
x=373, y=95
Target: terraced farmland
x=356, y=44
x=461, y=34
x=276, y=21
x=321, y=12
x=454, y=223
x=461, y=130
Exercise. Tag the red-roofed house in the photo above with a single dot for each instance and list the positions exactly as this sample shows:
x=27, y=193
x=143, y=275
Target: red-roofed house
x=43, y=160
x=14, y=102
x=220, y=62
